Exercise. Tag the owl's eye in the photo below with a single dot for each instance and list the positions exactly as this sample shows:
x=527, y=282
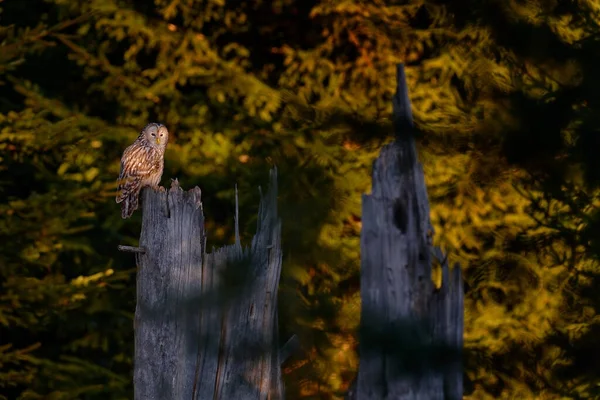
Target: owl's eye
x=154, y=134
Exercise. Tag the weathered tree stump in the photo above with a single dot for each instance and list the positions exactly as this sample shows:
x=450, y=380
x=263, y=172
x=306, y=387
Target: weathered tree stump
x=205, y=324
x=411, y=332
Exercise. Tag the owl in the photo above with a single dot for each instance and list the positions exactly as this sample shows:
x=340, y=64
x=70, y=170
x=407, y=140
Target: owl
x=141, y=165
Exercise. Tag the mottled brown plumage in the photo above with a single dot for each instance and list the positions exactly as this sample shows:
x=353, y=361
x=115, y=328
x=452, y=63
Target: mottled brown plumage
x=141, y=165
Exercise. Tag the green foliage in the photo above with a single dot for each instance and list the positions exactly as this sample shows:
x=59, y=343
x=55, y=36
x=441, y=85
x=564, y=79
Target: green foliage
x=503, y=93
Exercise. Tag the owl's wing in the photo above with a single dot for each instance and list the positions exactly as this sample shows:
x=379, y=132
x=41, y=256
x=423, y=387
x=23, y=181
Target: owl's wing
x=137, y=163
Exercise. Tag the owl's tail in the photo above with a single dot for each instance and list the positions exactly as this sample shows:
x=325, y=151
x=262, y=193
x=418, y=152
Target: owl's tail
x=128, y=196
x=129, y=204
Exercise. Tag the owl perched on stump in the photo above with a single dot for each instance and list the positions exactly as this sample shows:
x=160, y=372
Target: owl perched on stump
x=141, y=165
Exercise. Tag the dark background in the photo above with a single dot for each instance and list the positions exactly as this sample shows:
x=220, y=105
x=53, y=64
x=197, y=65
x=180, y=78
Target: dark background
x=506, y=101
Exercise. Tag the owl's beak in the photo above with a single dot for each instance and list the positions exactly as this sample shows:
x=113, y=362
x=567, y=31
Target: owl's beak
x=157, y=140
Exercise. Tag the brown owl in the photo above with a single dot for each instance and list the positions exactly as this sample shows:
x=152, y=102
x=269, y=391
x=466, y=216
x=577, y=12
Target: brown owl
x=141, y=165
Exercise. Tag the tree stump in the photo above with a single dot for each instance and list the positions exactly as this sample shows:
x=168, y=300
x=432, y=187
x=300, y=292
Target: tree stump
x=411, y=333
x=205, y=324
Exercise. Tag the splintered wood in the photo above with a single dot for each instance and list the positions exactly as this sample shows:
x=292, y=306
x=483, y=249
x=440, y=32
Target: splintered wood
x=411, y=332
x=205, y=324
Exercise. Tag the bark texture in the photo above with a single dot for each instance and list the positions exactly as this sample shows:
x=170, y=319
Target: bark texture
x=206, y=324
x=411, y=331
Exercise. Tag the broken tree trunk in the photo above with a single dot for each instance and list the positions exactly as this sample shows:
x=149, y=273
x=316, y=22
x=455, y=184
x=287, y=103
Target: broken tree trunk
x=205, y=324
x=411, y=329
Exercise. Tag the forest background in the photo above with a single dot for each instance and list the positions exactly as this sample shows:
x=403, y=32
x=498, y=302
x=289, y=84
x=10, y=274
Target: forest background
x=506, y=100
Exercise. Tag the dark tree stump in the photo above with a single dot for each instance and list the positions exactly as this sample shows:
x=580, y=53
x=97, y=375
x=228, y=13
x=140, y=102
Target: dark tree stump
x=411, y=332
x=205, y=324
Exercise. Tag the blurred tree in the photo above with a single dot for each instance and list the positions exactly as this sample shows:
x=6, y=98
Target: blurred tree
x=63, y=332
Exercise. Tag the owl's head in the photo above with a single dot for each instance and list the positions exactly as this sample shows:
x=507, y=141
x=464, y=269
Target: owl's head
x=156, y=135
